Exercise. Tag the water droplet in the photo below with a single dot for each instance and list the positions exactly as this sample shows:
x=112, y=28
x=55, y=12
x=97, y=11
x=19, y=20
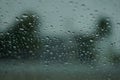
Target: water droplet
x=46, y=45
x=91, y=40
x=71, y=2
x=24, y=16
x=21, y=29
x=83, y=5
x=17, y=19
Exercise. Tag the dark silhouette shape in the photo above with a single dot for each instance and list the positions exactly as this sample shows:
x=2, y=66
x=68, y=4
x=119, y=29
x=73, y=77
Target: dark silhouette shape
x=113, y=56
x=21, y=41
x=86, y=44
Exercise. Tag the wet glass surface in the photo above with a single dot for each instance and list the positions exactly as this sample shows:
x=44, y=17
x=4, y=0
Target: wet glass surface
x=59, y=40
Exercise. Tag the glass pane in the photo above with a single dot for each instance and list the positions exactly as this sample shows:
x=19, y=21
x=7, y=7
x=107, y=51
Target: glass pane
x=59, y=39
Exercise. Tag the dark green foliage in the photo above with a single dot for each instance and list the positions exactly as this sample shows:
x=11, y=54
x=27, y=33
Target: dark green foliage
x=115, y=58
x=21, y=40
x=86, y=44
x=85, y=48
x=103, y=27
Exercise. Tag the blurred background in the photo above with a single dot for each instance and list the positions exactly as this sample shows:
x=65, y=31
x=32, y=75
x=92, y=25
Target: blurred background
x=59, y=39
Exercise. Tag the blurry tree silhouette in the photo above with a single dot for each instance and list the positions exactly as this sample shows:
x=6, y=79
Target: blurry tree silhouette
x=114, y=56
x=21, y=41
x=86, y=44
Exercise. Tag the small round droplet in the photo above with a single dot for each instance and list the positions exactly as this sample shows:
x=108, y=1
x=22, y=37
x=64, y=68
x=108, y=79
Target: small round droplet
x=83, y=5
x=91, y=40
